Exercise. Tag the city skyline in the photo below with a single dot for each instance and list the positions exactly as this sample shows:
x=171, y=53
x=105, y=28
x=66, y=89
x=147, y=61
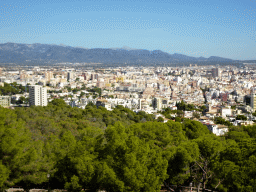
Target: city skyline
x=194, y=28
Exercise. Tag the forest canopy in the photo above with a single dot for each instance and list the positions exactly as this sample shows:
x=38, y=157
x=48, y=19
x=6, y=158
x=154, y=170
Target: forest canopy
x=119, y=150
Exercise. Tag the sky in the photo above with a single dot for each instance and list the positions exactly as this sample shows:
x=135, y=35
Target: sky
x=199, y=28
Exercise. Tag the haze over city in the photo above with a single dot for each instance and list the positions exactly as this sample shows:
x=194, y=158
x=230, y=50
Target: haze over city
x=192, y=27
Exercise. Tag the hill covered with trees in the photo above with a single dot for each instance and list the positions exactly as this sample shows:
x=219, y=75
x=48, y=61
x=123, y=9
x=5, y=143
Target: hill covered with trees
x=119, y=150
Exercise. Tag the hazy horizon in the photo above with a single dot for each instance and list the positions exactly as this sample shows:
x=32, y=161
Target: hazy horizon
x=195, y=28
x=115, y=48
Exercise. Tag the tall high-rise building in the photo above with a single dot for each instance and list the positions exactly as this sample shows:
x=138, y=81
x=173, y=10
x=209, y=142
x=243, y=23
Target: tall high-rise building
x=139, y=104
x=157, y=103
x=253, y=99
x=84, y=76
x=37, y=95
x=48, y=75
x=70, y=76
x=215, y=72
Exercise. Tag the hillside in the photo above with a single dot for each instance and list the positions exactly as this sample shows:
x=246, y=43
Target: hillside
x=43, y=53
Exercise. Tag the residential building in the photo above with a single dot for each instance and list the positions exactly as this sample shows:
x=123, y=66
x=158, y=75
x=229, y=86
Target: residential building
x=253, y=99
x=226, y=111
x=5, y=101
x=70, y=76
x=48, y=75
x=215, y=72
x=217, y=129
x=37, y=95
x=157, y=103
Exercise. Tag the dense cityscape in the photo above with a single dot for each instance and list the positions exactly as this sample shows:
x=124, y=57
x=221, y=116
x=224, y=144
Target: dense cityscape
x=222, y=91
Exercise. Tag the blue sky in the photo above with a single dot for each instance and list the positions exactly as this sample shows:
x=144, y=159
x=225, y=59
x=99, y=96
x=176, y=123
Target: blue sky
x=197, y=28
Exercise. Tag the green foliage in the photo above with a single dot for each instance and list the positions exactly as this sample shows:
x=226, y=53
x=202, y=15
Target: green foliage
x=58, y=102
x=21, y=100
x=181, y=106
x=73, y=186
x=167, y=113
x=219, y=120
x=233, y=107
x=237, y=136
x=185, y=107
x=237, y=162
x=4, y=174
x=11, y=89
x=153, y=132
x=75, y=90
x=95, y=90
x=177, y=119
x=81, y=95
x=251, y=130
x=119, y=150
x=203, y=107
x=196, y=115
x=202, y=169
x=194, y=129
x=20, y=157
x=160, y=119
x=175, y=130
x=133, y=164
x=241, y=117
x=179, y=163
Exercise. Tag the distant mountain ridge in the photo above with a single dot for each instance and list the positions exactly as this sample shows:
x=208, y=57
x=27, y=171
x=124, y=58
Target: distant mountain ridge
x=45, y=53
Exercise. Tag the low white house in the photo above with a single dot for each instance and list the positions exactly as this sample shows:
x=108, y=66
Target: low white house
x=217, y=129
x=226, y=112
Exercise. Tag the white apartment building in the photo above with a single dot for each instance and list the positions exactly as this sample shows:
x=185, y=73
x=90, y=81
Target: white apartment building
x=37, y=95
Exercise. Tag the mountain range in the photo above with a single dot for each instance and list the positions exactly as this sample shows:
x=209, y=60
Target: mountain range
x=48, y=53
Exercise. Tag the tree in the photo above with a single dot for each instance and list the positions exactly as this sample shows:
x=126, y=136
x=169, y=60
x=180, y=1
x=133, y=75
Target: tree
x=241, y=117
x=180, y=113
x=81, y=95
x=65, y=168
x=194, y=129
x=177, y=119
x=219, y=120
x=196, y=115
x=129, y=163
x=203, y=107
x=237, y=136
x=120, y=150
x=203, y=169
x=81, y=161
x=156, y=133
x=160, y=119
x=181, y=106
x=58, y=102
x=175, y=130
x=19, y=157
x=179, y=163
x=4, y=174
x=235, y=167
x=21, y=100
x=233, y=107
